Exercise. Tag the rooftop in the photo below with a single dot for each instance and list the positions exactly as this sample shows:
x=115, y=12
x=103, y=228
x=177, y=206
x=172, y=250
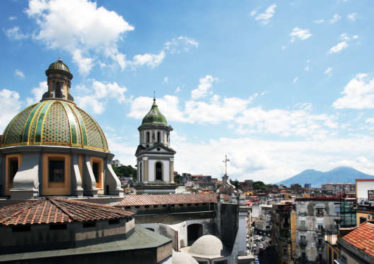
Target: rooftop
x=57, y=210
x=362, y=238
x=140, y=239
x=160, y=199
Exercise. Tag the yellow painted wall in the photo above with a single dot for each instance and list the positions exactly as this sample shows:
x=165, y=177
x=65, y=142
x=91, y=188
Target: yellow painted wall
x=293, y=233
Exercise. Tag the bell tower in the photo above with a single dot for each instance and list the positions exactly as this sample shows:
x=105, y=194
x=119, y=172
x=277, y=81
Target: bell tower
x=155, y=157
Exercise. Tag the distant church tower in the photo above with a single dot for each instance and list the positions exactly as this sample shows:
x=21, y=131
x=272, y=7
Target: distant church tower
x=155, y=157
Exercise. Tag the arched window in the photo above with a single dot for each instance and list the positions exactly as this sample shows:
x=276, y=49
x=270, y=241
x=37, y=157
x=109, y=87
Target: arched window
x=158, y=137
x=147, y=136
x=158, y=171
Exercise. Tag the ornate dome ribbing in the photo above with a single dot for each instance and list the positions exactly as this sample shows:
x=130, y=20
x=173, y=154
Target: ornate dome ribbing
x=55, y=122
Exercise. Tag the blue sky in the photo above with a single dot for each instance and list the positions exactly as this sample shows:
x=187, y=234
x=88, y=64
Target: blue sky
x=280, y=86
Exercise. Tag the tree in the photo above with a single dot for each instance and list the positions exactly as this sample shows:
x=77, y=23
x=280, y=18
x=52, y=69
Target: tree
x=125, y=171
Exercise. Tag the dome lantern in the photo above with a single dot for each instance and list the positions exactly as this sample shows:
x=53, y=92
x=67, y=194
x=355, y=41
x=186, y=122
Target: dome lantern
x=59, y=81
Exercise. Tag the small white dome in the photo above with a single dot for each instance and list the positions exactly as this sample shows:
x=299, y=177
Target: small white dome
x=208, y=245
x=182, y=258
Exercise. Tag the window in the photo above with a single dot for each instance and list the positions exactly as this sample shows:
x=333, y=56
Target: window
x=56, y=174
x=158, y=171
x=371, y=195
x=95, y=169
x=12, y=169
x=56, y=170
x=147, y=136
x=362, y=220
x=12, y=164
x=319, y=212
x=158, y=137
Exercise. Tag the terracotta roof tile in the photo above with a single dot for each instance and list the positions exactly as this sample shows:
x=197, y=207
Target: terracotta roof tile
x=161, y=199
x=362, y=238
x=57, y=210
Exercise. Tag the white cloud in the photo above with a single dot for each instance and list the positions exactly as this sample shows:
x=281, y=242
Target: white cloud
x=269, y=160
x=14, y=33
x=343, y=44
x=80, y=28
x=215, y=111
x=37, y=93
x=319, y=21
x=299, y=122
x=328, y=71
x=9, y=107
x=178, y=89
x=335, y=19
x=165, y=80
x=253, y=12
x=12, y=18
x=338, y=47
x=85, y=64
x=180, y=44
x=151, y=60
x=294, y=80
x=102, y=93
x=307, y=66
x=265, y=17
x=19, y=74
x=174, y=46
x=168, y=105
x=357, y=94
x=299, y=33
x=352, y=17
x=202, y=90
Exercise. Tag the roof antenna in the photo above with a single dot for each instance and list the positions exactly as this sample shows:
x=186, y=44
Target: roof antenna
x=154, y=95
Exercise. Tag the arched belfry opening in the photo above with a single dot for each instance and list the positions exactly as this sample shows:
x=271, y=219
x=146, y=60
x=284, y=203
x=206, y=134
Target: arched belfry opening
x=158, y=171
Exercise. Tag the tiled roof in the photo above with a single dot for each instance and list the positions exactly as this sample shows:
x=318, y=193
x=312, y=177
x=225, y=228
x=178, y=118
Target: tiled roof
x=57, y=210
x=160, y=199
x=362, y=238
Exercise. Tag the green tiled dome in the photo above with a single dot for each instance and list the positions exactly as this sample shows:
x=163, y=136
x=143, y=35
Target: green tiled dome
x=154, y=116
x=54, y=122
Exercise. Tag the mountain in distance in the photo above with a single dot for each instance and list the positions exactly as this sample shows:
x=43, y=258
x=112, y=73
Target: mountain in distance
x=316, y=178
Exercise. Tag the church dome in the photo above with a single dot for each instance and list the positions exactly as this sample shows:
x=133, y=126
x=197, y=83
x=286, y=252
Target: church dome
x=207, y=246
x=154, y=116
x=55, y=122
